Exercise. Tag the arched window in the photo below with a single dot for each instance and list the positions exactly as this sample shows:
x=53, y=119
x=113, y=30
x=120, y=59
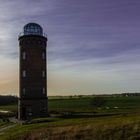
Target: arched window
x=24, y=73
x=43, y=90
x=43, y=55
x=43, y=73
x=24, y=55
x=23, y=91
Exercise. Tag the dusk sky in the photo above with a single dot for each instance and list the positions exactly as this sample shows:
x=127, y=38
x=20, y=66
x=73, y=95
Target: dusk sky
x=93, y=45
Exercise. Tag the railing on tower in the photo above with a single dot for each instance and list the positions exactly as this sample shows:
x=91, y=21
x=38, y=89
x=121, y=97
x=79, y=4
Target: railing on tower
x=24, y=34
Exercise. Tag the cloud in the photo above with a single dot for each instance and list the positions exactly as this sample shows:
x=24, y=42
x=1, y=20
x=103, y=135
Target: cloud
x=96, y=40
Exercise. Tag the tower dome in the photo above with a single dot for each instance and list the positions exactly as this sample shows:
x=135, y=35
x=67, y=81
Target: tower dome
x=32, y=29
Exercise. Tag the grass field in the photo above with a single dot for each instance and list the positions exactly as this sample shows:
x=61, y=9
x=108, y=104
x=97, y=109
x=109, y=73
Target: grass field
x=103, y=128
x=117, y=119
x=84, y=104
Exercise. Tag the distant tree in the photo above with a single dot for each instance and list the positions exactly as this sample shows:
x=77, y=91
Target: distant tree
x=70, y=97
x=4, y=100
x=80, y=96
x=98, y=101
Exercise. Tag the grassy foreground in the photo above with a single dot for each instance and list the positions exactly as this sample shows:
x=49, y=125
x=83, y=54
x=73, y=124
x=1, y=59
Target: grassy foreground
x=121, y=127
x=117, y=119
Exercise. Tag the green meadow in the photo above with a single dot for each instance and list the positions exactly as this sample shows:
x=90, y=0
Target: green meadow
x=77, y=118
x=84, y=104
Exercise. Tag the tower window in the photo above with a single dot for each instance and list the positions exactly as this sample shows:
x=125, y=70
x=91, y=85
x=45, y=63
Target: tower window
x=24, y=55
x=43, y=73
x=43, y=56
x=23, y=90
x=43, y=90
x=23, y=73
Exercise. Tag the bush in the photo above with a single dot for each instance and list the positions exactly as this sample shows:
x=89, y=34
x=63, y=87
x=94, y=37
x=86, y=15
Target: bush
x=98, y=101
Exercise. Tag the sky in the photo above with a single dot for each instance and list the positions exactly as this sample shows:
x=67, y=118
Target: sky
x=93, y=45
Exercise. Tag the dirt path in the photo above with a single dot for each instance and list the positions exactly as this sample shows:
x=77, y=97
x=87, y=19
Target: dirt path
x=14, y=120
x=3, y=128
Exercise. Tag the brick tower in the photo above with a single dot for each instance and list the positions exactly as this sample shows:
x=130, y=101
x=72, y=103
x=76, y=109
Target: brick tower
x=32, y=101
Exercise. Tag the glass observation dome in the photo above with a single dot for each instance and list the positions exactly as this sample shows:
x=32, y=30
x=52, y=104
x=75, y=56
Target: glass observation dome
x=32, y=29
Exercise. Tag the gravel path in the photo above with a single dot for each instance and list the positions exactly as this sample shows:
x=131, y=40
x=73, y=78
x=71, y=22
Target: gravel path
x=3, y=128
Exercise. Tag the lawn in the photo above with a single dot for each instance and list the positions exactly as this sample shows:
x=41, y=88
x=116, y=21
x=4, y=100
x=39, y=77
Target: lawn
x=112, y=104
x=117, y=119
x=83, y=104
x=99, y=128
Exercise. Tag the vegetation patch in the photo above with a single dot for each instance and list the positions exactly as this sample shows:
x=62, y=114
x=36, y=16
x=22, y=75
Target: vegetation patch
x=104, y=128
x=80, y=118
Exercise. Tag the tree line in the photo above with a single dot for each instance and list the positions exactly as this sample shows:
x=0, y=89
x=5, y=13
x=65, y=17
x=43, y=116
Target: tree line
x=8, y=99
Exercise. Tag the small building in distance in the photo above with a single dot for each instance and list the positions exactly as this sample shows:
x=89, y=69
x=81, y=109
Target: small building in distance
x=32, y=100
x=131, y=94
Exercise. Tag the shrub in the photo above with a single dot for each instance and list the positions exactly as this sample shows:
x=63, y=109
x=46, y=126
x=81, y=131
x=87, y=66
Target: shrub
x=98, y=101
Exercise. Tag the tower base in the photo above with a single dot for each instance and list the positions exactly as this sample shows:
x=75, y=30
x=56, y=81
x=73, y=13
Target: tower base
x=32, y=108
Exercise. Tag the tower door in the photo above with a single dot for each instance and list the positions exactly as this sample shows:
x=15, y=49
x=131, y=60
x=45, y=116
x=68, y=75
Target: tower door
x=24, y=113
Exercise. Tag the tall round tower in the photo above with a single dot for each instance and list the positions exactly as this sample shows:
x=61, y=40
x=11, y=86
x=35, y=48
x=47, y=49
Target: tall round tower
x=33, y=75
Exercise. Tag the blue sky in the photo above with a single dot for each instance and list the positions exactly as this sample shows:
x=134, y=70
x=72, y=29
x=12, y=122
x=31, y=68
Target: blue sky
x=93, y=45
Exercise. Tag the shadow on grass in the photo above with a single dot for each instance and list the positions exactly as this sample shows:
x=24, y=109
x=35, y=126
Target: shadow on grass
x=69, y=116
